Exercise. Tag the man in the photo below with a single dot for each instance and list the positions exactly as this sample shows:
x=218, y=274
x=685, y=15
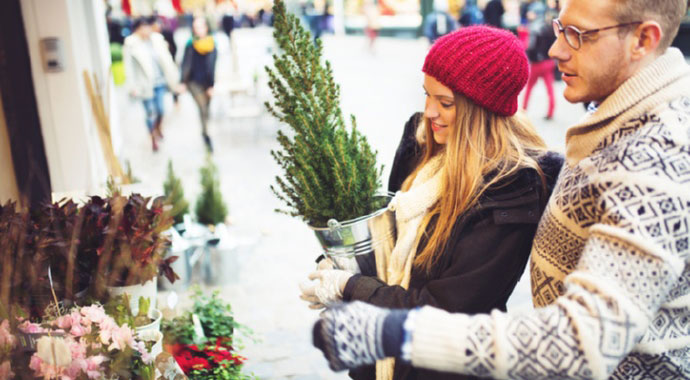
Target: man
x=609, y=270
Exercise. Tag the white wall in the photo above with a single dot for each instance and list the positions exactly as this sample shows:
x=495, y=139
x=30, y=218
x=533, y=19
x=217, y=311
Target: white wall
x=73, y=150
x=8, y=181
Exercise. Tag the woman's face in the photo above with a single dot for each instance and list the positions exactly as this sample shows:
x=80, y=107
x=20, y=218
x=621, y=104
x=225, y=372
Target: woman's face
x=439, y=108
x=200, y=28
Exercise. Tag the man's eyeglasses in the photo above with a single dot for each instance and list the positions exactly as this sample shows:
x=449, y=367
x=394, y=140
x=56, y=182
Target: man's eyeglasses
x=573, y=35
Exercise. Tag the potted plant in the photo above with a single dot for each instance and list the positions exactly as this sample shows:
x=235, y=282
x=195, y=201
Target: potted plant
x=330, y=176
x=39, y=243
x=212, y=211
x=210, y=206
x=174, y=195
x=207, y=351
x=179, y=246
x=127, y=237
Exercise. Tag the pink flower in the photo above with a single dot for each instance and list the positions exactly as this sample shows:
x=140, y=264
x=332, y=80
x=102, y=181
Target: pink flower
x=93, y=366
x=6, y=371
x=79, y=330
x=30, y=328
x=94, y=313
x=64, y=322
x=122, y=337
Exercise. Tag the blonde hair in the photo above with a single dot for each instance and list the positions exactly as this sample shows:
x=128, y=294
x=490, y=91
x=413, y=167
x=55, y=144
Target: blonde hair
x=483, y=149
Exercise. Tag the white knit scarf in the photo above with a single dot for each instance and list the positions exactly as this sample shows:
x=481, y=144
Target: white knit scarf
x=410, y=208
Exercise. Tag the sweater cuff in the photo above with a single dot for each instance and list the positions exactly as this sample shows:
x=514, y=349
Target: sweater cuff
x=350, y=287
x=439, y=340
x=393, y=332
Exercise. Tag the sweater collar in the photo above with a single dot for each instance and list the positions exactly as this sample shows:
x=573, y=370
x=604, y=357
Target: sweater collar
x=663, y=72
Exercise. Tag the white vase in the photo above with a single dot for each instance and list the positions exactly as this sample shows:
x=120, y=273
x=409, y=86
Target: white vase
x=149, y=290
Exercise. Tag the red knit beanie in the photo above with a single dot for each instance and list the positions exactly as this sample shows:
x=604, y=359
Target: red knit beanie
x=485, y=64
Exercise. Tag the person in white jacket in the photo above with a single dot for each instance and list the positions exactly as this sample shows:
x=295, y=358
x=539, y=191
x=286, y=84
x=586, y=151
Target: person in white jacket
x=150, y=71
x=609, y=264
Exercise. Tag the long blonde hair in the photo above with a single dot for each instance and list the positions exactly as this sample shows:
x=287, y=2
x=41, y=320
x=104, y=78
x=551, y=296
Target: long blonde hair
x=481, y=144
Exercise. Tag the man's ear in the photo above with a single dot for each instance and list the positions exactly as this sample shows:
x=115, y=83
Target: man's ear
x=647, y=38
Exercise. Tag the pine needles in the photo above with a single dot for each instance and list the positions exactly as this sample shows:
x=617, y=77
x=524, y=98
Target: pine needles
x=329, y=171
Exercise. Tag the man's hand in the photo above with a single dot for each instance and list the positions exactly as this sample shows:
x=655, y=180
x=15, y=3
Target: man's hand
x=356, y=334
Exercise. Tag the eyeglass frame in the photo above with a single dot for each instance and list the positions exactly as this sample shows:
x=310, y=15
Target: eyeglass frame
x=558, y=28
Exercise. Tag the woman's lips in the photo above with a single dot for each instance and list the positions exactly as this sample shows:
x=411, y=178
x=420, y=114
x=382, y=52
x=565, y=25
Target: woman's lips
x=435, y=127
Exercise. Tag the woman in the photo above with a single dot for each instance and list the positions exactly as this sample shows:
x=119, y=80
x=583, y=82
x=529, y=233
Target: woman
x=474, y=178
x=150, y=71
x=198, y=71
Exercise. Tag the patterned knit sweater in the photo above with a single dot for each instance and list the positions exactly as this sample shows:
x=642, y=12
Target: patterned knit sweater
x=610, y=273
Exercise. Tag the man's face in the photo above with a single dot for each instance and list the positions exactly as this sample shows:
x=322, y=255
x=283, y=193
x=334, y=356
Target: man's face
x=602, y=63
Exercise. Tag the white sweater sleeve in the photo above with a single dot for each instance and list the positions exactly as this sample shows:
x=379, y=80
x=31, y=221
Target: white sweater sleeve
x=633, y=257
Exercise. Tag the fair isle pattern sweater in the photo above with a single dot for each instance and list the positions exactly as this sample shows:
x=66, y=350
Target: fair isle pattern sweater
x=609, y=270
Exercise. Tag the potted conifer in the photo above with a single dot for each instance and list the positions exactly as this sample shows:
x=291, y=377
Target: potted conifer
x=174, y=195
x=211, y=210
x=179, y=246
x=330, y=176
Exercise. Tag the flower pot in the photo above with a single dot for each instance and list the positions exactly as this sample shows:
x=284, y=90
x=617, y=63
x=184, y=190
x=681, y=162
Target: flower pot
x=359, y=236
x=152, y=336
x=156, y=315
x=181, y=248
x=219, y=262
x=149, y=290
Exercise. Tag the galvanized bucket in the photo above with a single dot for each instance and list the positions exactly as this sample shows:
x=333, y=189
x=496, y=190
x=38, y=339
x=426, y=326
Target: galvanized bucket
x=359, y=236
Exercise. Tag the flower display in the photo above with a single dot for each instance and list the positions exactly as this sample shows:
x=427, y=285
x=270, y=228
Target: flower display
x=208, y=361
x=87, y=343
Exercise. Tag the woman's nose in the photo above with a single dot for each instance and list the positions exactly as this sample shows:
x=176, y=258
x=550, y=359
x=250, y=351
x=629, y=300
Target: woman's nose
x=430, y=111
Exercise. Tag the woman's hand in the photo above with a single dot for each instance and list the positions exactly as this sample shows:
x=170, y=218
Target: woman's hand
x=325, y=288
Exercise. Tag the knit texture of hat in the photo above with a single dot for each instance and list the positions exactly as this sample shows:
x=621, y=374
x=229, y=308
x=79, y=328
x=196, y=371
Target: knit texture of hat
x=485, y=64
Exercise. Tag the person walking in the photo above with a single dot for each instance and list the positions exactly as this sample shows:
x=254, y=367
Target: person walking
x=541, y=37
x=472, y=178
x=609, y=265
x=493, y=13
x=198, y=71
x=150, y=71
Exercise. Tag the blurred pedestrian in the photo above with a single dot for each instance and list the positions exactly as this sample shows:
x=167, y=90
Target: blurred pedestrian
x=471, y=14
x=493, y=13
x=372, y=16
x=439, y=22
x=150, y=71
x=198, y=71
x=166, y=28
x=541, y=37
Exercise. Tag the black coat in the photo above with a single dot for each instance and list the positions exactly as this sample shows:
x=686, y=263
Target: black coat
x=484, y=259
x=197, y=67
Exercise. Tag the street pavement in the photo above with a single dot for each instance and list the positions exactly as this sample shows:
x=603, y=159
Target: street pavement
x=381, y=88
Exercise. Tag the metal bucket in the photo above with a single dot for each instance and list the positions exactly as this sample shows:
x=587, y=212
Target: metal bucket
x=359, y=236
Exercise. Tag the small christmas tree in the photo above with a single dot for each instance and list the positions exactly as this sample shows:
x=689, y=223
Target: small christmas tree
x=174, y=194
x=210, y=207
x=329, y=171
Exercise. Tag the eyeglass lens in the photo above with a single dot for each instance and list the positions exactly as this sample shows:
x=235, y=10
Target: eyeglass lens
x=572, y=36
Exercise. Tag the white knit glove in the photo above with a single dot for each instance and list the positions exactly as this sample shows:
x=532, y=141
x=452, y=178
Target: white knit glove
x=325, y=288
x=348, y=264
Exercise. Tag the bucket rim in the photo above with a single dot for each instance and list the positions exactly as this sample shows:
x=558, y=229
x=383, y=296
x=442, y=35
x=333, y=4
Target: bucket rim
x=351, y=222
